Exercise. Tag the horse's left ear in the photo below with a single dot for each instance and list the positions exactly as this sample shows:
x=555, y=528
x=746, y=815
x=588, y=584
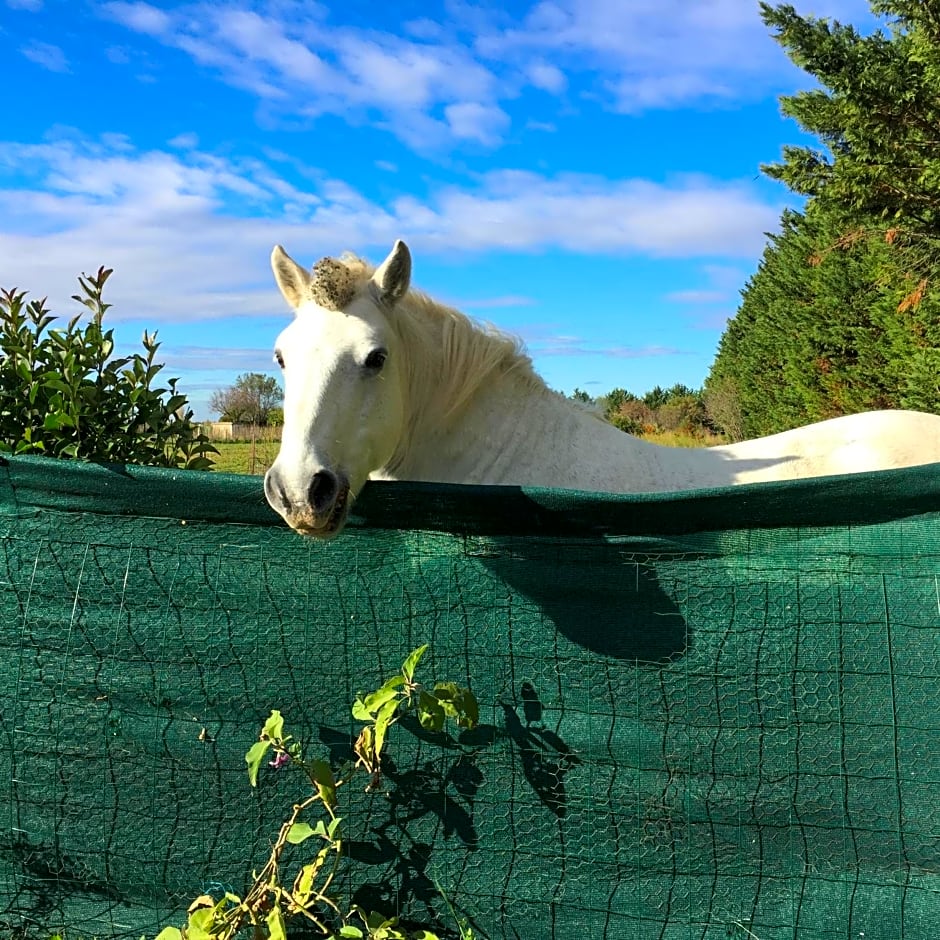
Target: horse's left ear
x=393, y=276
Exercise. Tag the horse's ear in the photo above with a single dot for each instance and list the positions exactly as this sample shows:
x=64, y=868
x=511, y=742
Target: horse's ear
x=393, y=276
x=292, y=279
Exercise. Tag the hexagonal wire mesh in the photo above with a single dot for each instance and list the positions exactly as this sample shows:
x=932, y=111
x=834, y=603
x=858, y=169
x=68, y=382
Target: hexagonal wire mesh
x=702, y=716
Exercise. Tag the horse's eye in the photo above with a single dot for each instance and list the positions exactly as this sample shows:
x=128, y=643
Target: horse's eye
x=278, y=358
x=376, y=359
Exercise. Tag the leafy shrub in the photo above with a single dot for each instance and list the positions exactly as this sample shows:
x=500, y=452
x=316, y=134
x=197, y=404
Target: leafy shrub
x=275, y=901
x=64, y=394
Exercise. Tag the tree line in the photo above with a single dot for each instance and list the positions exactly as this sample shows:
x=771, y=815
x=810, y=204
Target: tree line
x=843, y=314
x=661, y=410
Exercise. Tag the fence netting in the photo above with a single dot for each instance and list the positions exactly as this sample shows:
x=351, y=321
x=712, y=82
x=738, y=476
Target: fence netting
x=702, y=716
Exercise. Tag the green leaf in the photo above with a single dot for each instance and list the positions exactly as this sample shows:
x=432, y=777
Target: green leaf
x=202, y=918
x=200, y=924
x=325, y=781
x=430, y=712
x=411, y=663
x=303, y=886
x=170, y=933
x=458, y=703
x=56, y=420
x=365, y=708
x=469, y=708
x=446, y=693
x=54, y=381
x=254, y=757
x=274, y=726
x=351, y=931
x=275, y=922
x=333, y=828
x=382, y=722
x=360, y=712
x=299, y=832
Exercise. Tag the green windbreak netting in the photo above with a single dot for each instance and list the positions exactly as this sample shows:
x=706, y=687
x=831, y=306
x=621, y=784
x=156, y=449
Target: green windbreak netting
x=702, y=716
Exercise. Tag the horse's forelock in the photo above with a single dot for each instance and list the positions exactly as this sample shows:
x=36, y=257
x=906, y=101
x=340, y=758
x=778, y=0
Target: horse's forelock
x=333, y=285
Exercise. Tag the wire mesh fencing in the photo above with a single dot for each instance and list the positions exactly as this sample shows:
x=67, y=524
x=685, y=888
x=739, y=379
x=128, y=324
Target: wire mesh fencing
x=704, y=716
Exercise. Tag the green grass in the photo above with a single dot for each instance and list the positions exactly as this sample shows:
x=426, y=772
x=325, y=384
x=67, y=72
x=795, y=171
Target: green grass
x=684, y=439
x=237, y=457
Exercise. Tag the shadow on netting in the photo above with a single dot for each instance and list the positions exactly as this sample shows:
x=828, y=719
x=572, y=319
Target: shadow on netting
x=411, y=811
x=595, y=595
x=421, y=809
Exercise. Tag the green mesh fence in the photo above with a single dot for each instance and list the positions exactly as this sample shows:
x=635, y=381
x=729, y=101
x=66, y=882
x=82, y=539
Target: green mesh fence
x=706, y=716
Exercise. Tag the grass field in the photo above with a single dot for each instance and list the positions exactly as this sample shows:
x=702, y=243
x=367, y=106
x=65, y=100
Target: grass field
x=683, y=439
x=245, y=457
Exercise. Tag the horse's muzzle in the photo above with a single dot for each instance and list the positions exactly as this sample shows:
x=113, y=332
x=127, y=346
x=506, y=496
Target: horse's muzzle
x=322, y=509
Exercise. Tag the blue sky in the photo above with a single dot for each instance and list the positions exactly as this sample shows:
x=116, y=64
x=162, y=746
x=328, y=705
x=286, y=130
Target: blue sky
x=584, y=173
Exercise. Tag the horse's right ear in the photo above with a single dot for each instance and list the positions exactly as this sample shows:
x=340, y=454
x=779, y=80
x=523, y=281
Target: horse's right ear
x=393, y=276
x=292, y=279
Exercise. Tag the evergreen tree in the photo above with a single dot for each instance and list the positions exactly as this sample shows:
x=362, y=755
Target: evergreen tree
x=840, y=316
x=878, y=112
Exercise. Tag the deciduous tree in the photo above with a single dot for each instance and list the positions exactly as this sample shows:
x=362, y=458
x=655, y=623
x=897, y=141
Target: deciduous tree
x=251, y=400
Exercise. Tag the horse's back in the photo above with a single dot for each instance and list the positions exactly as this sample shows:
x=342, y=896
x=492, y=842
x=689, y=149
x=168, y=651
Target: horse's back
x=874, y=440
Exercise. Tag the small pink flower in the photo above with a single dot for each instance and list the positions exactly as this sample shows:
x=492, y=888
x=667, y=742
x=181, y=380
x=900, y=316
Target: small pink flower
x=279, y=761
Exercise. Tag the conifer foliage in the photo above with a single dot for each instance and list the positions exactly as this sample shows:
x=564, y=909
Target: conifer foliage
x=843, y=313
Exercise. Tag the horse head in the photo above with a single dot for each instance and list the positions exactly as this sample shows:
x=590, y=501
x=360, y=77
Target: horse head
x=343, y=387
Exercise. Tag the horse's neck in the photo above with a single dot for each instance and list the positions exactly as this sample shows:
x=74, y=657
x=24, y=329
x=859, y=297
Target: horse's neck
x=516, y=432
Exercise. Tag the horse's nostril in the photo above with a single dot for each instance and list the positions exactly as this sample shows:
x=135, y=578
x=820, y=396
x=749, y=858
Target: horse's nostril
x=275, y=492
x=323, y=490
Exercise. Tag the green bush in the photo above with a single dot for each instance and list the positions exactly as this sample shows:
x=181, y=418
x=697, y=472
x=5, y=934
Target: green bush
x=63, y=394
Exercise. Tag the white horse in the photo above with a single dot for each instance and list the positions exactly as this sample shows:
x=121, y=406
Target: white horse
x=381, y=382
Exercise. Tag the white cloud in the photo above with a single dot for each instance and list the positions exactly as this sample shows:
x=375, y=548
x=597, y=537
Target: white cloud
x=575, y=346
x=655, y=53
x=185, y=141
x=436, y=84
x=189, y=234
x=547, y=77
x=47, y=55
x=425, y=91
x=524, y=211
x=217, y=359
x=424, y=28
x=119, y=55
x=401, y=75
x=140, y=17
x=471, y=121
x=722, y=286
x=263, y=40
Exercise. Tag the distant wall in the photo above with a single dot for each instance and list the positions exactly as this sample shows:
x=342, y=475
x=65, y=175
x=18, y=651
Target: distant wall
x=232, y=431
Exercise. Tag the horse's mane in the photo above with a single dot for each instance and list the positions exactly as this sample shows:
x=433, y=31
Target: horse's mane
x=447, y=350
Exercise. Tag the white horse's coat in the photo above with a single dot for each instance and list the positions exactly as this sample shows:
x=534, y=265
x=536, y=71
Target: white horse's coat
x=383, y=383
